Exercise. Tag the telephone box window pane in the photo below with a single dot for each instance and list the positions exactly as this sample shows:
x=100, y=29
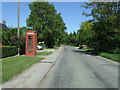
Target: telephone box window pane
x=30, y=46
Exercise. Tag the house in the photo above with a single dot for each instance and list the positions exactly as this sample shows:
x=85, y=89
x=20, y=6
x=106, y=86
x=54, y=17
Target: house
x=3, y=24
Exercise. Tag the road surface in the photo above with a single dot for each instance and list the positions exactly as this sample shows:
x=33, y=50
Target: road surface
x=75, y=69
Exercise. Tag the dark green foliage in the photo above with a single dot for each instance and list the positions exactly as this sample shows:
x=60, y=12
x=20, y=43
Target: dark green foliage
x=10, y=38
x=65, y=38
x=72, y=39
x=47, y=22
x=8, y=51
x=80, y=47
x=19, y=42
x=106, y=26
x=6, y=35
x=86, y=33
x=116, y=50
x=23, y=30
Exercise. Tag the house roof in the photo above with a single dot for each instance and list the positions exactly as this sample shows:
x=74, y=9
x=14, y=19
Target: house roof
x=3, y=25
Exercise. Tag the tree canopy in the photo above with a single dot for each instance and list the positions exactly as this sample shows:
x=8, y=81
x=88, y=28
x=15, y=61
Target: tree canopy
x=106, y=25
x=47, y=22
x=86, y=33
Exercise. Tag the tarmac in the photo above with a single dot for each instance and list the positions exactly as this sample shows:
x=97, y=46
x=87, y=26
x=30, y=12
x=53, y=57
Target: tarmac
x=32, y=77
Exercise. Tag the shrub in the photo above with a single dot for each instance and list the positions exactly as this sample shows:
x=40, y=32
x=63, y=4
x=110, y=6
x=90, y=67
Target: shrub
x=80, y=47
x=116, y=51
x=19, y=42
x=8, y=51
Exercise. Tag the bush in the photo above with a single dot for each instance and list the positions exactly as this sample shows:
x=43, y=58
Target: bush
x=80, y=47
x=8, y=51
x=116, y=51
x=19, y=42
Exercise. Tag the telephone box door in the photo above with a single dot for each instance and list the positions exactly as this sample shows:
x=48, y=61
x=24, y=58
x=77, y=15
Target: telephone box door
x=31, y=41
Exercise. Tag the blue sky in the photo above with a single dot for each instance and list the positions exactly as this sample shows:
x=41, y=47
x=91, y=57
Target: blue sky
x=71, y=13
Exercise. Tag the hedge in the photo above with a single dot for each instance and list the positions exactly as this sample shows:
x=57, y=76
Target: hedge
x=8, y=51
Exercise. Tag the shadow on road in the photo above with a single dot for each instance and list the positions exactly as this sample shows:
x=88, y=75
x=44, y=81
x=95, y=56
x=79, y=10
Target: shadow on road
x=89, y=52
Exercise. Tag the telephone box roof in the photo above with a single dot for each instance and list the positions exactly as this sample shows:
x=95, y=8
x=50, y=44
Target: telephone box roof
x=32, y=31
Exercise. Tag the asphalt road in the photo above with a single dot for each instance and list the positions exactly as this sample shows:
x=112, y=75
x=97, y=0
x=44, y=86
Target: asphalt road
x=75, y=69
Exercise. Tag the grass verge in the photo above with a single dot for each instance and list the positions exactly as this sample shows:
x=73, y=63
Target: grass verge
x=15, y=65
x=114, y=57
x=53, y=48
x=44, y=53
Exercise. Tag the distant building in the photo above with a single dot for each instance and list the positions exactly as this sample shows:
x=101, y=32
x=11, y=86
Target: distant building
x=3, y=24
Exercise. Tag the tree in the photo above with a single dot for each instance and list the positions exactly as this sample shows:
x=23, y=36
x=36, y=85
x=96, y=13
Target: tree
x=47, y=22
x=5, y=34
x=71, y=39
x=23, y=31
x=65, y=38
x=86, y=33
x=106, y=16
x=10, y=38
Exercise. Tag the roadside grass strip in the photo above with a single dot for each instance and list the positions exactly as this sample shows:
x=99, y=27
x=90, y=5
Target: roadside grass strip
x=44, y=53
x=15, y=65
x=115, y=57
x=53, y=48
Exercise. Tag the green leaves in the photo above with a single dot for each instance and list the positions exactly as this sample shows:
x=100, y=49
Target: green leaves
x=106, y=16
x=86, y=32
x=47, y=22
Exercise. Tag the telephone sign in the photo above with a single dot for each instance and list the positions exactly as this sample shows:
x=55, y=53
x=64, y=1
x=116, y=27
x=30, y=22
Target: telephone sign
x=31, y=42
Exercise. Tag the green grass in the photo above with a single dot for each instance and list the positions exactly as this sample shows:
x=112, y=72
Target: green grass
x=44, y=53
x=15, y=65
x=53, y=48
x=115, y=57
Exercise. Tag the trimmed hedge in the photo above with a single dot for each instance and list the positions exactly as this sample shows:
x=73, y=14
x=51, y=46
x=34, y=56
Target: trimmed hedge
x=8, y=51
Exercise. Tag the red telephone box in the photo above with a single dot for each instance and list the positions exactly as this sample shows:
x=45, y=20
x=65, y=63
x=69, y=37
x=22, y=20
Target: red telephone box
x=31, y=42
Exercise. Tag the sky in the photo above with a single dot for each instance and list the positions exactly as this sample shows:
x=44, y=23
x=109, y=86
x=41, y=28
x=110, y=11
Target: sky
x=71, y=13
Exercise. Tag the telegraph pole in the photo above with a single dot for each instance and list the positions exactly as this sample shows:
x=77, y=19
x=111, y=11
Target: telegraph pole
x=79, y=37
x=18, y=26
